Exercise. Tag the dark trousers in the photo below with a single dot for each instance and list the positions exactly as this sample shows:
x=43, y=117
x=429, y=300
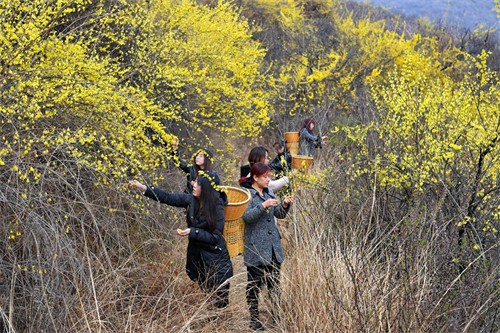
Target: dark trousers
x=222, y=296
x=220, y=293
x=257, y=276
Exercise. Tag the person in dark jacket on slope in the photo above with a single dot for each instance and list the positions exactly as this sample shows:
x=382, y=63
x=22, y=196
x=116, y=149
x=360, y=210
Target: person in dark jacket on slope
x=261, y=154
x=202, y=160
x=207, y=260
x=263, y=252
x=282, y=163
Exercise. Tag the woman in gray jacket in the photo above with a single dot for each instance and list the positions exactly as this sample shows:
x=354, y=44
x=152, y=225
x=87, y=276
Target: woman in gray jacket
x=308, y=142
x=263, y=252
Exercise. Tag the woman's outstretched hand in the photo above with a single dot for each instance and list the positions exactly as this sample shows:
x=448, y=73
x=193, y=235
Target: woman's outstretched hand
x=137, y=186
x=184, y=232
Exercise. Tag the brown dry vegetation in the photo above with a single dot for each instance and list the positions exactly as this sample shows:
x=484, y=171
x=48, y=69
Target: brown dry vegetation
x=93, y=257
x=347, y=269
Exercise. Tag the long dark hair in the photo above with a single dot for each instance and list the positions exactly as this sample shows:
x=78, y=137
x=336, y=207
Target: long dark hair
x=305, y=124
x=208, y=199
x=258, y=169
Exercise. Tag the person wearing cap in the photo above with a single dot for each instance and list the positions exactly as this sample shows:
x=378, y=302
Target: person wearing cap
x=207, y=259
x=308, y=142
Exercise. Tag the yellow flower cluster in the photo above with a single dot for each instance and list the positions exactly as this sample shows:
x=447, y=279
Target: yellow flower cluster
x=13, y=234
x=32, y=269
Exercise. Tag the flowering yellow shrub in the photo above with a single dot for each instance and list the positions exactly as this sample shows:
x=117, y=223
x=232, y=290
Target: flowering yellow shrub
x=431, y=125
x=430, y=118
x=436, y=133
x=93, y=93
x=96, y=89
x=198, y=64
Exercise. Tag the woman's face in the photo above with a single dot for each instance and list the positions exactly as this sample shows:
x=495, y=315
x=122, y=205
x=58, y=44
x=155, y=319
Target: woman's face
x=196, y=189
x=200, y=160
x=263, y=180
x=311, y=126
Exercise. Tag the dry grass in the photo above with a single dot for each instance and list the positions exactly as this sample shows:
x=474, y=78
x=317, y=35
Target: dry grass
x=347, y=268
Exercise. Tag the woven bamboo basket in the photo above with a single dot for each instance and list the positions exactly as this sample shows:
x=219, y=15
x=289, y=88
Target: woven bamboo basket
x=302, y=162
x=292, y=142
x=238, y=199
x=234, y=228
x=234, y=235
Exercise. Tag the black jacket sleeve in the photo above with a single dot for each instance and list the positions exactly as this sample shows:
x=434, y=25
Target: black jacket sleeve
x=171, y=199
x=275, y=164
x=183, y=165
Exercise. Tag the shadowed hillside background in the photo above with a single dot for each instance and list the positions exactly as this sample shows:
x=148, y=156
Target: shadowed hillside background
x=394, y=229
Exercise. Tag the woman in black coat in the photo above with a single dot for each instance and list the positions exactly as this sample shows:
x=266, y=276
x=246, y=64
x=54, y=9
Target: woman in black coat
x=207, y=260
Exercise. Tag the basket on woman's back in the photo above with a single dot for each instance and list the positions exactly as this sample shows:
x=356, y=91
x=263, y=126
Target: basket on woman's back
x=234, y=228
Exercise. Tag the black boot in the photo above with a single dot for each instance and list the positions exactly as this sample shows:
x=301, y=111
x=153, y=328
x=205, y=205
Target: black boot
x=255, y=323
x=253, y=289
